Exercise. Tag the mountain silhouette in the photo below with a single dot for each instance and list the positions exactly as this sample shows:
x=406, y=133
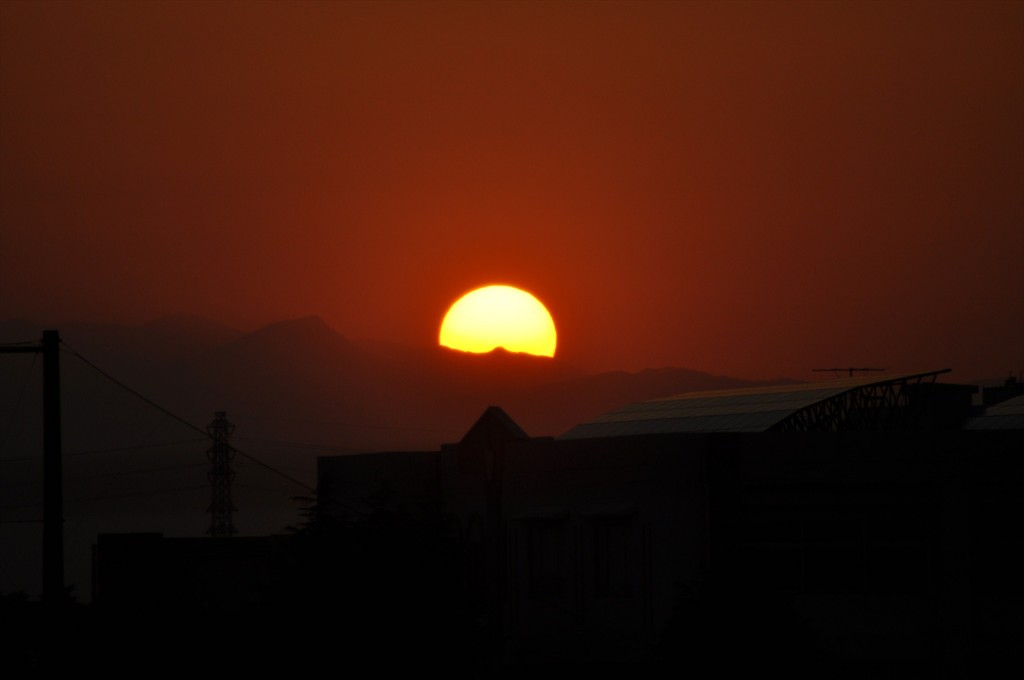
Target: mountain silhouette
x=295, y=390
x=375, y=395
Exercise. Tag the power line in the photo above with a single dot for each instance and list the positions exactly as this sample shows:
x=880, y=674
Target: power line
x=849, y=369
x=341, y=423
x=175, y=416
x=123, y=473
x=115, y=449
x=304, y=445
x=120, y=449
x=17, y=405
x=137, y=494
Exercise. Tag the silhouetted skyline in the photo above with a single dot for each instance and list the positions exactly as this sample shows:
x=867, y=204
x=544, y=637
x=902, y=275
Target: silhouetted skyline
x=890, y=495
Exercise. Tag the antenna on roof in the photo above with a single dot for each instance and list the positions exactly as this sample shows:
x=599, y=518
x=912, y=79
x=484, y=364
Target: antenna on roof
x=848, y=369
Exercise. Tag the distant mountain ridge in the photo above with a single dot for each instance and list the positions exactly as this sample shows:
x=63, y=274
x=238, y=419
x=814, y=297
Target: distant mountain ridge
x=295, y=390
x=380, y=394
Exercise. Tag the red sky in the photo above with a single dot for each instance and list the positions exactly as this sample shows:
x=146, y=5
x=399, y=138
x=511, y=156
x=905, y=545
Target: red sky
x=745, y=188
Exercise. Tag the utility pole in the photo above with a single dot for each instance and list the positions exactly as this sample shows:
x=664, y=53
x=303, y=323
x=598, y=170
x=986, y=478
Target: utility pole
x=221, y=475
x=53, y=478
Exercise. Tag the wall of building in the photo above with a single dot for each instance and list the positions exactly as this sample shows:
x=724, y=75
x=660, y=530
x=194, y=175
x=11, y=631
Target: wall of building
x=827, y=549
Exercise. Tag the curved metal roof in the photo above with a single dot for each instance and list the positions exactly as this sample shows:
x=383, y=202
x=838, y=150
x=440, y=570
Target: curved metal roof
x=755, y=409
x=1006, y=415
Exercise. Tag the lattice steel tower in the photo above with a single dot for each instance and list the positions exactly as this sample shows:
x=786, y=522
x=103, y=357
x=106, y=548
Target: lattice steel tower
x=221, y=475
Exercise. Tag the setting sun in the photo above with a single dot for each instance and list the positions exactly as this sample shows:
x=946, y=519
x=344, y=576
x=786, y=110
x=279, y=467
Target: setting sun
x=499, y=316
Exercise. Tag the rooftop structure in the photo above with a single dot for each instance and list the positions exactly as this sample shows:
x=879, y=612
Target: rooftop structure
x=1007, y=415
x=864, y=403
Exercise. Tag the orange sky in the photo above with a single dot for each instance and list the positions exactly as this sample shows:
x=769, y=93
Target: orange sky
x=752, y=189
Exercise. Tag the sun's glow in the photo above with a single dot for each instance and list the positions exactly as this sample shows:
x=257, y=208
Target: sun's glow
x=499, y=316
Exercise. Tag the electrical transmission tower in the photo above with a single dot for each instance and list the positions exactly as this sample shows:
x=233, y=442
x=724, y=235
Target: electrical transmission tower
x=221, y=475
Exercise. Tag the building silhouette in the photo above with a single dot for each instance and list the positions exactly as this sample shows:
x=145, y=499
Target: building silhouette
x=863, y=525
x=858, y=527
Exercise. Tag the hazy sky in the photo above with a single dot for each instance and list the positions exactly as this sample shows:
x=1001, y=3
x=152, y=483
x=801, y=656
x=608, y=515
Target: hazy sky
x=745, y=188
